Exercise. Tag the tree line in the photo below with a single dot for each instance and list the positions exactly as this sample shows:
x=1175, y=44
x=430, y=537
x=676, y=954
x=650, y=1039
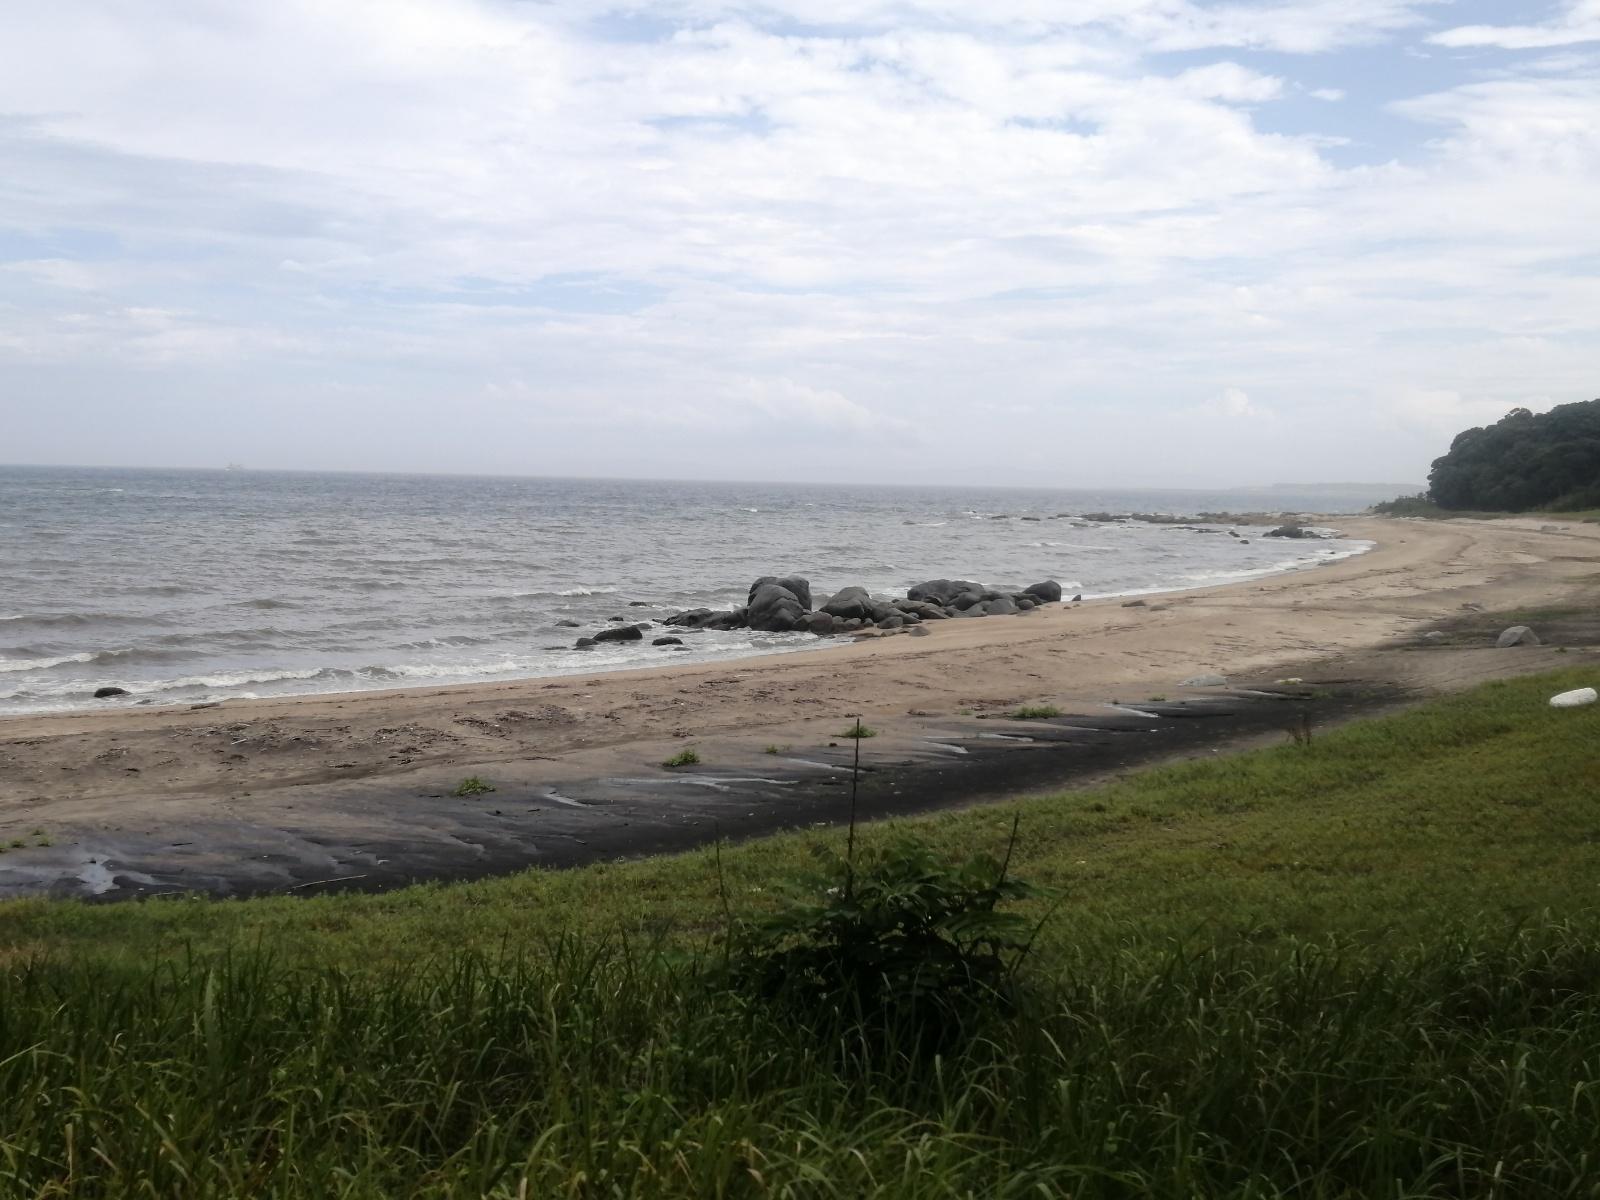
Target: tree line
x=1523, y=461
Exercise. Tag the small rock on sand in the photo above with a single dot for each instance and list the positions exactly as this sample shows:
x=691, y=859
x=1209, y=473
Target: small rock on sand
x=1208, y=680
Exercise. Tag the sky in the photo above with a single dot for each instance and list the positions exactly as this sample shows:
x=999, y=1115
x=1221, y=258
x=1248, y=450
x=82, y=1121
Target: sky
x=1076, y=243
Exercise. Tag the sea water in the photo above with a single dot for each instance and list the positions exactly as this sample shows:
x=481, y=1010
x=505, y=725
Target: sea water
x=187, y=586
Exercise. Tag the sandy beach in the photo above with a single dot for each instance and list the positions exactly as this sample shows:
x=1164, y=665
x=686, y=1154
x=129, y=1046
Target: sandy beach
x=277, y=776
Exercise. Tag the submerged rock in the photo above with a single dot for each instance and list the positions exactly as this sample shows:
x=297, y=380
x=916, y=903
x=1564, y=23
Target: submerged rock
x=667, y=641
x=106, y=693
x=627, y=633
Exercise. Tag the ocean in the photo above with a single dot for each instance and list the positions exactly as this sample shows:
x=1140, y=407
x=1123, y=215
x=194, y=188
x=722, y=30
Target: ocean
x=188, y=586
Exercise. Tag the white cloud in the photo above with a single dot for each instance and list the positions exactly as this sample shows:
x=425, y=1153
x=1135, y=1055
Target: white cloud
x=1578, y=22
x=909, y=220
x=807, y=411
x=1235, y=404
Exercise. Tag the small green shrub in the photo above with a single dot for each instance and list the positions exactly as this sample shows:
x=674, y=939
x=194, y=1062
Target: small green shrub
x=472, y=786
x=774, y=749
x=902, y=934
x=1034, y=712
x=686, y=757
x=858, y=730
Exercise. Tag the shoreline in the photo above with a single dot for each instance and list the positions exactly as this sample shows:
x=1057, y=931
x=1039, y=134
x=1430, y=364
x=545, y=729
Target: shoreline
x=321, y=787
x=810, y=644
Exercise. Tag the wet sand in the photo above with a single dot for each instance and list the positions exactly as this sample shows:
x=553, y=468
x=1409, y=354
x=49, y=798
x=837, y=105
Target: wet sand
x=354, y=790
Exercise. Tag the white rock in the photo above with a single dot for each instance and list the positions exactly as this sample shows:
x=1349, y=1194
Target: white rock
x=1576, y=698
x=1517, y=635
x=1205, y=681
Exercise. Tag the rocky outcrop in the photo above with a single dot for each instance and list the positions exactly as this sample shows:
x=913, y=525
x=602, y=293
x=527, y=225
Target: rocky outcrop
x=848, y=602
x=943, y=591
x=798, y=587
x=774, y=608
x=782, y=604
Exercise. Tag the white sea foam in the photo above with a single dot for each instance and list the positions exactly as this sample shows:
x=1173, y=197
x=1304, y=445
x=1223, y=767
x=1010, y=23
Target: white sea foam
x=42, y=664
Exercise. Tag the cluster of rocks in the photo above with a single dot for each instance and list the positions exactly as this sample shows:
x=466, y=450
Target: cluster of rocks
x=1300, y=531
x=783, y=604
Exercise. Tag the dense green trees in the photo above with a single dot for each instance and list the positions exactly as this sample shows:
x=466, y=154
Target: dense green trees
x=1524, y=461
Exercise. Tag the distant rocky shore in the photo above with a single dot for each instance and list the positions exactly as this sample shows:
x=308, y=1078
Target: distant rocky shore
x=783, y=604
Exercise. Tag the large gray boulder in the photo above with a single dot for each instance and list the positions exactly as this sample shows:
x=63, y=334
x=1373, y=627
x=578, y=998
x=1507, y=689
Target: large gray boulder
x=848, y=602
x=774, y=609
x=821, y=623
x=799, y=588
x=1517, y=635
x=925, y=609
x=1000, y=606
x=942, y=591
x=1049, y=591
x=624, y=633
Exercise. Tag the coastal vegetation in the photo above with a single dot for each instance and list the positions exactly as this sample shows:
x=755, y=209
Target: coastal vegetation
x=1522, y=463
x=472, y=786
x=1367, y=965
x=1034, y=712
x=687, y=757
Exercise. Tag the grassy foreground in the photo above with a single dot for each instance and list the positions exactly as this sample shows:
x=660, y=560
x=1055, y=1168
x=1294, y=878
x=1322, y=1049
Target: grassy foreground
x=1367, y=966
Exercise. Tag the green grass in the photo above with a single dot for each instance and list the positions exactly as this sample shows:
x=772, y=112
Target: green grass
x=686, y=757
x=1365, y=966
x=858, y=730
x=472, y=786
x=1034, y=712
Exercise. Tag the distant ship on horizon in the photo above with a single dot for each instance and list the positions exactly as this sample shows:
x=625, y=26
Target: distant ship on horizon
x=235, y=467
